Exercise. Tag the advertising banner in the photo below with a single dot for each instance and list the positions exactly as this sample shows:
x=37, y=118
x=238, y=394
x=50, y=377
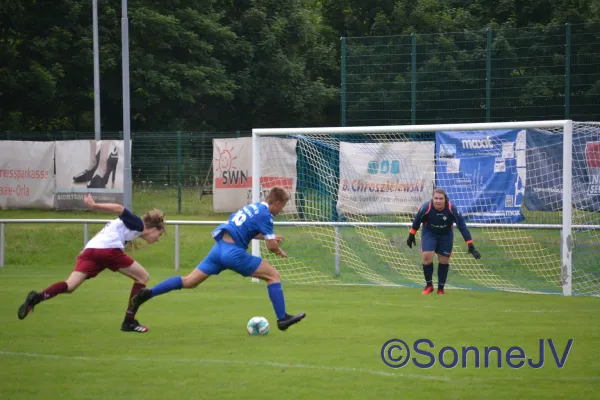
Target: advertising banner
x=544, y=189
x=483, y=172
x=232, y=171
x=88, y=166
x=385, y=178
x=26, y=174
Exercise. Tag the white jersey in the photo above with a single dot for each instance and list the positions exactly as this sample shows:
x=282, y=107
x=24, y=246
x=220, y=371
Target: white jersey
x=118, y=232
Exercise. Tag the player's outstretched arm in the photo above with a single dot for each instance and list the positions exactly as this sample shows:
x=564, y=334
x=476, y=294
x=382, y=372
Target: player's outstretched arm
x=273, y=246
x=107, y=207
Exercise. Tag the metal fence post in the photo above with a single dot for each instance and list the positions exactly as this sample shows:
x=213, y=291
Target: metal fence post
x=488, y=76
x=568, y=71
x=413, y=79
x=1, y=245
x=337, y=251
x=343, y=81
x=177, y=247
x=179, y=172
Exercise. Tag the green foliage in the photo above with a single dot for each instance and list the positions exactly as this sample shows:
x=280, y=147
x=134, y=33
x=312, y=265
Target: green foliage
x=527, y=62
x=194, y=65
x=238, y=64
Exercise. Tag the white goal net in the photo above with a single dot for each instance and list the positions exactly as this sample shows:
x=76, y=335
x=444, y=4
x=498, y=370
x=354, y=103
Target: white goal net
x=529, y=192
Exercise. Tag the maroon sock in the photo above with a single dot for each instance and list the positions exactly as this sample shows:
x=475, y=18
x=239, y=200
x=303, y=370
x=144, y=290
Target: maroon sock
x=130, y=314
x=53, y=290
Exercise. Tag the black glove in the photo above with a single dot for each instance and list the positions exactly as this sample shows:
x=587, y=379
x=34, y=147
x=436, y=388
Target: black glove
x=474, y=252
x=411, y=240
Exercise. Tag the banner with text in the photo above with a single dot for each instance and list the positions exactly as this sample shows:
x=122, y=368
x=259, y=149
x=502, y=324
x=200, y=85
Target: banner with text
x=26, y=174
x=483, y=172
x=544, y=189
x=88, y=166
x=232, y=171
x=385, y=178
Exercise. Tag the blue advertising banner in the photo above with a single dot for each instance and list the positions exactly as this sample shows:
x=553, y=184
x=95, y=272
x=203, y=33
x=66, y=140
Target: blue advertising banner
x=483, y=172
x=544, y=189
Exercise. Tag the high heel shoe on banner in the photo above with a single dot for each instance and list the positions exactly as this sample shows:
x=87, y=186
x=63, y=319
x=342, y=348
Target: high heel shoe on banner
x=99, y=182
x=87, y=174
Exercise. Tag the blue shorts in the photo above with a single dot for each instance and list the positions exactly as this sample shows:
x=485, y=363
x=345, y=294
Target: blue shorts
x=440, y=244
x=225, y=255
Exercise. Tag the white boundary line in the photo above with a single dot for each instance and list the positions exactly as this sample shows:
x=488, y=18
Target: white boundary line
x=228, y=362
x=291, y=366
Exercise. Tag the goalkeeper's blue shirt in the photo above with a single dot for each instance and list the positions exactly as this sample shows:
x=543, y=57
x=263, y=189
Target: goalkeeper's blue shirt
x=246, y=223
x=440, y=222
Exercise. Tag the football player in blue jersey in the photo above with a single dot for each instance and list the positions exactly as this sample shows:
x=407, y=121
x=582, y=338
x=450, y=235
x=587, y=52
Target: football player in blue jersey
x=437, y=216
x=254, y=221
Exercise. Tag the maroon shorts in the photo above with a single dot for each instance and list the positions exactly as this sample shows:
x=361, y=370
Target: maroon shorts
x=93, y=261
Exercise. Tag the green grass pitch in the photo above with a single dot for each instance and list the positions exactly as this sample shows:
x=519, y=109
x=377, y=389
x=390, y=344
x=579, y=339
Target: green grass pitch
x=71, y=347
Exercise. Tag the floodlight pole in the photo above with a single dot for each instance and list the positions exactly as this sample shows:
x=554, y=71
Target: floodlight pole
x=126, y=116
x=96, y=71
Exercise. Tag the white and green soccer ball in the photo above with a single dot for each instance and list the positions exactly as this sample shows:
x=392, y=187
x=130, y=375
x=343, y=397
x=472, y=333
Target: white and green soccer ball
x=258, y=326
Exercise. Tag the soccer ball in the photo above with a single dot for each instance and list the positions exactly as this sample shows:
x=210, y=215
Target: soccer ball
x=258, y=326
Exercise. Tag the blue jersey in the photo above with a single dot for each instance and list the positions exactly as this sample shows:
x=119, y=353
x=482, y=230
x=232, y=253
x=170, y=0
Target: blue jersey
x=440, y=222
x=245, y=224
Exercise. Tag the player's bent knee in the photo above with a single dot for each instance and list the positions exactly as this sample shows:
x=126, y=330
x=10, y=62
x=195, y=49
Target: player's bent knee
x=275, y=276
x=136, y=272
x=427, y=258
x=144, y=278
x=267, y=273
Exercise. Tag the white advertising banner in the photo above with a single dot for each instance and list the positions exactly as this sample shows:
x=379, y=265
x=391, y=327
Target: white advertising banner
x=26, y=174
x=385, y=178
x=88, y=166
x=232, y=171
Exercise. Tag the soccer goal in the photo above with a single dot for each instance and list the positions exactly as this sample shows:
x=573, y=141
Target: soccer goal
x=529, y=191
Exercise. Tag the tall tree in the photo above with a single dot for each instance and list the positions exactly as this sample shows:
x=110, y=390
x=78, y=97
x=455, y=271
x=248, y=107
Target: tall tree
x=281, y=63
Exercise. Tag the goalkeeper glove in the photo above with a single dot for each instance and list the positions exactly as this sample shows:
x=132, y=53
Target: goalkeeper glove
x=474, y=252
x=411, y=240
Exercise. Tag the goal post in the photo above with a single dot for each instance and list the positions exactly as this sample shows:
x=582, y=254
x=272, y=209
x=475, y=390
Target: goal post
x=566, y=233
x=527, y=189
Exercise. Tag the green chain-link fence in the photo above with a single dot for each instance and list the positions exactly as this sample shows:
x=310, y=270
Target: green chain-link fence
x=488, y=75
x=169, y=170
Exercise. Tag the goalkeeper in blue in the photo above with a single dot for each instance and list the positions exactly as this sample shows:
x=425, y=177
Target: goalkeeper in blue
x=437, y=237
x=254, y=221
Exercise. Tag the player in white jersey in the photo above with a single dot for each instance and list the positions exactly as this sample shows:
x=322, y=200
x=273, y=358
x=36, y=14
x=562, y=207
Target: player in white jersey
x=105, y=250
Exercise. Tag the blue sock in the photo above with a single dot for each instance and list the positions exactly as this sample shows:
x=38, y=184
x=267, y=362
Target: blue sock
x=276, y=296
x=173, y=283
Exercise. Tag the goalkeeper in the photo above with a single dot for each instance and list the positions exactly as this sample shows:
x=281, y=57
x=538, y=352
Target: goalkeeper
x=438, y=216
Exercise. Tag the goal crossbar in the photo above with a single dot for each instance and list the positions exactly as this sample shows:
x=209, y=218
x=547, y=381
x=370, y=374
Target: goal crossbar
x=412, y=128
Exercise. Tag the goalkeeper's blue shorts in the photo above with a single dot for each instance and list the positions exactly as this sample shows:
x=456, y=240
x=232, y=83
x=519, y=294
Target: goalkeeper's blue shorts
x=225, y=255
x=440, y=244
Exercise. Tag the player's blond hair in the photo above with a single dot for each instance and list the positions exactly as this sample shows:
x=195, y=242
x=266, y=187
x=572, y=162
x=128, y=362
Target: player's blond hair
x=154, y=218
x=276, y=194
